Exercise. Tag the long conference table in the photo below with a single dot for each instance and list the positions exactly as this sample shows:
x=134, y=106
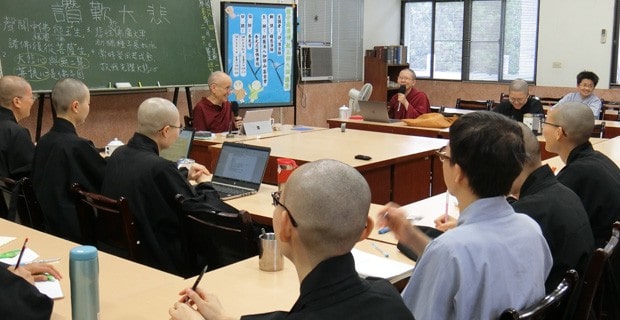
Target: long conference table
x=128, y=290
x=400, y=168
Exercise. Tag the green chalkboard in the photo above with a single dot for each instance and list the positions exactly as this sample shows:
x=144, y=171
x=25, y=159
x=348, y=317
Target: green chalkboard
x=102, y=42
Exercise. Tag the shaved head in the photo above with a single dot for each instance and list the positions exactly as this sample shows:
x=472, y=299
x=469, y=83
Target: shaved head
x=519, y=85
x=217, y=77
x=10, y=87
x=532, y=146
x=66, y=91
x=156, y=113
x=576, y=119
x=330, y=202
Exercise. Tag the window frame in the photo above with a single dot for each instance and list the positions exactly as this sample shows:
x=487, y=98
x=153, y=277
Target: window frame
x=466, y=40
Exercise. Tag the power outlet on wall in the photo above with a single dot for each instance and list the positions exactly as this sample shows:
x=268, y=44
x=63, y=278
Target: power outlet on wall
x=556, y=65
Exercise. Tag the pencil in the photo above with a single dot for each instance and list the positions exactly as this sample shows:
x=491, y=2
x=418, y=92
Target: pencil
x=21, y=254
x=198, y=280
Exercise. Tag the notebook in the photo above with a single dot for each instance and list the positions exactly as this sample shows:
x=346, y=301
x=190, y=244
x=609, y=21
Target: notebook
x=375, y=111
x=257, y=122
x=181, y=147
x=240, y=169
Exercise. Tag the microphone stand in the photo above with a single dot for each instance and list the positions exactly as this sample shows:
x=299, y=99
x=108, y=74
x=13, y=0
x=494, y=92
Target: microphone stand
x=230, y=125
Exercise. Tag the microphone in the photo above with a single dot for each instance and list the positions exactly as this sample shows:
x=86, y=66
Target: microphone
x=234, y=107
x=401, y=89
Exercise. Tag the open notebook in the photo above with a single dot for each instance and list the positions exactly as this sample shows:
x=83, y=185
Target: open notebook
x=240, y=169
x=370, y=265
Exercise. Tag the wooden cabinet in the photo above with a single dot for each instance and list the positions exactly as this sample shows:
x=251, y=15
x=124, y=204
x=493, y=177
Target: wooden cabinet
x=378, y=73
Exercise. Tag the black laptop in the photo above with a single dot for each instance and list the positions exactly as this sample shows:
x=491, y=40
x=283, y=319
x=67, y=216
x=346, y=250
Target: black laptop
x=240, y=170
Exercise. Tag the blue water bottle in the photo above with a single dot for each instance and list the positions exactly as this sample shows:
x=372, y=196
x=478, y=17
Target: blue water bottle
x=84, y=275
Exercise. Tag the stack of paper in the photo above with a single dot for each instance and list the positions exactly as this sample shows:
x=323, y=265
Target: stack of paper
x=370, y=265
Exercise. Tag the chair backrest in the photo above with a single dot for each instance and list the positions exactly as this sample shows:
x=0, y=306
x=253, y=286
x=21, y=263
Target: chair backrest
x=19, y=196
x=549, y=307
x=189, y=121
x=592, y=275
x=599, y=130
x=220, y=239
x=107, y=223
x=474, y=104
x=548, y=101
x=503, y=96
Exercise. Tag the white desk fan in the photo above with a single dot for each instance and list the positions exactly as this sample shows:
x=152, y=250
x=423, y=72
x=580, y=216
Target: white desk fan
x=359, y=95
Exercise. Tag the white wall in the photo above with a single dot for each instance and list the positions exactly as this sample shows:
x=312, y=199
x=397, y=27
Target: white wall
x=381, y=22
x=570, y=34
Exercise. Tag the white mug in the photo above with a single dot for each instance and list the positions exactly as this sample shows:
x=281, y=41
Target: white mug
x=112, y=146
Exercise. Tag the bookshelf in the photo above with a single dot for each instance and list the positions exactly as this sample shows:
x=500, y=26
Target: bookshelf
x=377, y=71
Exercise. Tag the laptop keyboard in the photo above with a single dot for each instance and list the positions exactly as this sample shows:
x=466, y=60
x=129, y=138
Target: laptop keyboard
x=230, y=191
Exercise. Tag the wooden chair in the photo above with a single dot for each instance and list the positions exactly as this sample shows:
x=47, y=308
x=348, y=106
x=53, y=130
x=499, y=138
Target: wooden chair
x=107, y=224
x=585, y=303
x=19, y=197
x=549, y=102
x=599, y=130
x=503, y=96
x=474, y=104
x=614, y=110
x=220, y=239
x=189, y=121
x=551, y=306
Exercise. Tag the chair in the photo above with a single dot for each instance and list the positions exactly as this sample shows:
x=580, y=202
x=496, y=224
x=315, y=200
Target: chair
x=189, y=121
x=614, y=110
x=551, y=306
x=549, y=102
x=107, y=223
x=585, y=301
x=599, y=130
x=19, y=197
x=503, y=96
x=474, y=104
x=221, y=238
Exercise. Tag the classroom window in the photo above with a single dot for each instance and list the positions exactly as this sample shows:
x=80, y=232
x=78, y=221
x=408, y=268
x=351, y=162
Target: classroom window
x=615, y=63
x=485, y=40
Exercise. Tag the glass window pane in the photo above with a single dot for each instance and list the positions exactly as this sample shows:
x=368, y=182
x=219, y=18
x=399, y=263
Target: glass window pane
x=417, y=36
x=520, y=39
x=485, y=36
x=448, y=50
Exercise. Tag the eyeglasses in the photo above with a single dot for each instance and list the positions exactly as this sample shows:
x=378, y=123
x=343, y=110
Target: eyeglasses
x=276, y=202
x=171, y=126
x=34, y=97
x=552, y=124
x=442, y=154
x=518, y=100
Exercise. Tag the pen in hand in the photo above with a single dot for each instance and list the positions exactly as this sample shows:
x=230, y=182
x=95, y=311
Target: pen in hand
x=198, y=280
x=385, y=254
x=21, y=254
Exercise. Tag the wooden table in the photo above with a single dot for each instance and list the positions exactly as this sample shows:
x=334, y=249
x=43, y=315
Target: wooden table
x=200, y=146
x=127, y=290
x=393, y=127
x=400, y=168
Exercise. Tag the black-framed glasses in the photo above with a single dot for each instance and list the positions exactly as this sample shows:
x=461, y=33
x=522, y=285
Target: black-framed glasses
x=276, y=202
x=552, y=124
x=442, y=154
x=171, y=126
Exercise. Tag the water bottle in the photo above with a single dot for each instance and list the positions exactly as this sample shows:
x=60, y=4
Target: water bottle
x=84, y=275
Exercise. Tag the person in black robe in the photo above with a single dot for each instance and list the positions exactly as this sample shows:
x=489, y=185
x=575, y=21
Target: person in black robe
x=62, y=158
x=557, y=209
x=150, y=183
x=519, y=102
x=320, y=215
x=16, y=147
x=593, y=177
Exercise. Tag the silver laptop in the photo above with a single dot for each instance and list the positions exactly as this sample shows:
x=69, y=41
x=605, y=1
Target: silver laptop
x=375, y=111
x=257, y=122
x=240, y=169
x=180, y=148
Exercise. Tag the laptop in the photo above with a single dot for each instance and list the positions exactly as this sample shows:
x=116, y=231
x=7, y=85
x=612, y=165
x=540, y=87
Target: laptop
x=180, y=148
x=375, y=111
x=240, y=169
x=257, y=122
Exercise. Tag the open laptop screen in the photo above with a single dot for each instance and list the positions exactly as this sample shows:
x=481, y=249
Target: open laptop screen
x=239, y=162
x=181, y=147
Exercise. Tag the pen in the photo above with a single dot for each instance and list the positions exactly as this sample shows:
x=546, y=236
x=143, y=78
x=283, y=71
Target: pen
x=21, y=254
x=47, y=260
x=385, y=254
x=384, y=230
x=198, y=280
x=445, y=215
